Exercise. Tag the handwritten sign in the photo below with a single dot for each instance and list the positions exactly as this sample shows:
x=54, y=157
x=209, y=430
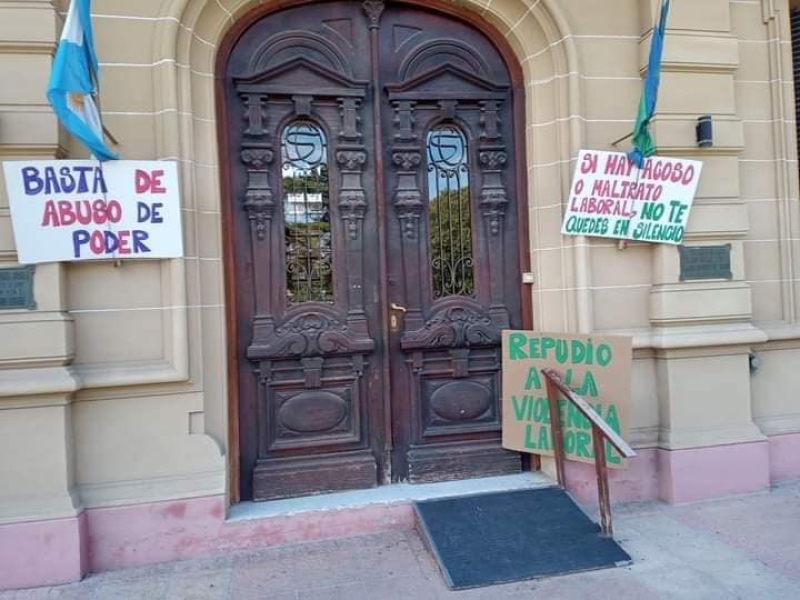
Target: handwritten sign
x=612, y=198
x=597, y=368
x=78, y=210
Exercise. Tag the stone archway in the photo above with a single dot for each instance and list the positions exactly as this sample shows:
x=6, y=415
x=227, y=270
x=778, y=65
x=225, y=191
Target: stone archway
x=189, y=35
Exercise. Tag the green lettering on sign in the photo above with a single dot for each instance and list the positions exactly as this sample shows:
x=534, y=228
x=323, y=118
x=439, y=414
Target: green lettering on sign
x=612, y=418
x=583, y=445
x=533, y=382
x=529, y=443
x=519, y=407
x=544, y=438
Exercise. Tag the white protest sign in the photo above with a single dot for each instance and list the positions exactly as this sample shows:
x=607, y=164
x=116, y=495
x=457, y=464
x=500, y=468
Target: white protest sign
x=610, y=197
x=78, y=210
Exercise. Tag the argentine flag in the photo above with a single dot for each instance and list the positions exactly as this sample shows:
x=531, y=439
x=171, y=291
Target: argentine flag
x=643, y=145
x=73, y=81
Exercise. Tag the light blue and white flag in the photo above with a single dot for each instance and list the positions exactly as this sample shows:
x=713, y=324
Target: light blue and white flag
x=73, y=81
x=643, y=145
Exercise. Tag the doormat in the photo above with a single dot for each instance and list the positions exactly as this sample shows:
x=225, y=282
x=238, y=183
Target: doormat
x=500, y=537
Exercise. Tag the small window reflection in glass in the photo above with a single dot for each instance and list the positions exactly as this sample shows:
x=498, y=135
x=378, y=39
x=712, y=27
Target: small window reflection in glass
x=450, y=222
x=306, y=209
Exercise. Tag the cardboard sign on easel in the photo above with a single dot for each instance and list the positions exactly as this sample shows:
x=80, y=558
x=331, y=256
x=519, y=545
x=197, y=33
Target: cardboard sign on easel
x=597, y=368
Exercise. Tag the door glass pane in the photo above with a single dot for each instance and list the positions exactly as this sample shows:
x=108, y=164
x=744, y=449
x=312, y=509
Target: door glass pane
x=450, y=223
x=306, y=210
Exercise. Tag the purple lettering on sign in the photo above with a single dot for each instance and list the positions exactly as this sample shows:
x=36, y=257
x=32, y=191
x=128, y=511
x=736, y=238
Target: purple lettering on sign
x=64, y=180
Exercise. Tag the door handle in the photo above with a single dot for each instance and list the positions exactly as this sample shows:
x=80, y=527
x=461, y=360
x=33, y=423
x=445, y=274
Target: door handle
x=394, y=322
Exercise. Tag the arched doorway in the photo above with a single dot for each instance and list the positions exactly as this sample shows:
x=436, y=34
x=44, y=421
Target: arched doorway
x=373, y=176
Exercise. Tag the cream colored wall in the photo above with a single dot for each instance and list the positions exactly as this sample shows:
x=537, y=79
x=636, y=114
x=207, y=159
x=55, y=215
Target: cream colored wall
x=145, y=419
x=769, y=189
x=37, y=470
x=101, y=401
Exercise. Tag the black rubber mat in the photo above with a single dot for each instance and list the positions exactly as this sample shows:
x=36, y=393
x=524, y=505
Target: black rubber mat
x=501, y=537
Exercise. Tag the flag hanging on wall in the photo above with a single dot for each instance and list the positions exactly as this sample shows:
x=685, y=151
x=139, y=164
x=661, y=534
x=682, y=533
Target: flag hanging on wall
x=643, y=145
x=73, y=82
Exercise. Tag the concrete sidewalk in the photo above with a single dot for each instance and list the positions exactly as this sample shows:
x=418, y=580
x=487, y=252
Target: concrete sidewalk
x=746, y=547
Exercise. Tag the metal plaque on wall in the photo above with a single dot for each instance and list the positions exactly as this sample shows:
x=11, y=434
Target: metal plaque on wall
x=16, y=288
x=705, y=262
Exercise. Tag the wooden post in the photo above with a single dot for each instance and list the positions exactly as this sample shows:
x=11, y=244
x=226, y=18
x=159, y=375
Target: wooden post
x=556, y=431
x=600, y=432
x=602, y=481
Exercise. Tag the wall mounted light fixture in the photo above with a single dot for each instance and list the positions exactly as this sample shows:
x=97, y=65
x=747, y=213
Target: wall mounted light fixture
x=705, y=132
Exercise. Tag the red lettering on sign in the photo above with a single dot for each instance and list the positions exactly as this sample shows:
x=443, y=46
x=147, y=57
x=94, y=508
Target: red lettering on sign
x=149, y=183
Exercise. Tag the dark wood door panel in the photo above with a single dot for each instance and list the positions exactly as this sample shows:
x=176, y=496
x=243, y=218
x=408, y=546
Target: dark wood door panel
x=453, y=251
x=303, y=186
x=313, y=427
x=306, y=228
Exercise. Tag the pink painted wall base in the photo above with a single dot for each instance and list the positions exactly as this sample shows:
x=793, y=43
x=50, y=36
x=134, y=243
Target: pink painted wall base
x=42, y=553
x=715, y=472
x=55, y=552
x=60, y=551
x=784, y=457
x=136, y=535
x=677, y=476
x=638, y=482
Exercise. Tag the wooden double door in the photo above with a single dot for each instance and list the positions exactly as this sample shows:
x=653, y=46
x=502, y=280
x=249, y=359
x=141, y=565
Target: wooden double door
x=375, y=248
